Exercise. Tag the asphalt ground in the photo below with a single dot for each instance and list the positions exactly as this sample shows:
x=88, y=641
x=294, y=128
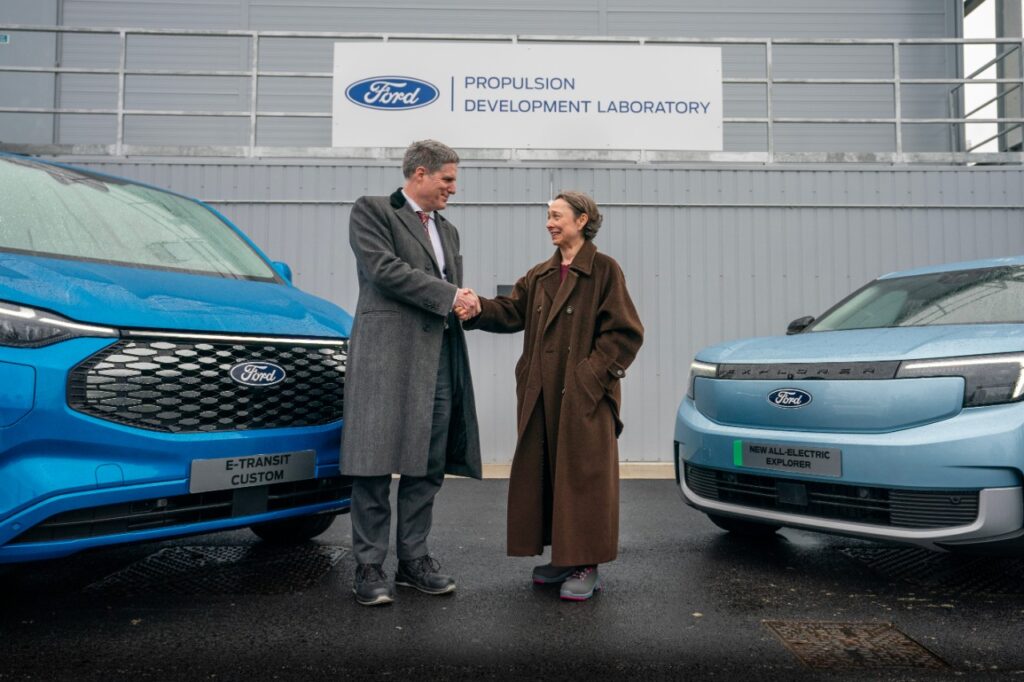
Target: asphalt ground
x=683, y=601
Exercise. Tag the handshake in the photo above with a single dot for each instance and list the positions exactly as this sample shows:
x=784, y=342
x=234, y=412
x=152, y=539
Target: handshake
x=467, y=304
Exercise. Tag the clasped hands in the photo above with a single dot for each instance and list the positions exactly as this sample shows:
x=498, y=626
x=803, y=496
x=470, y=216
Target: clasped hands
x=467, y=304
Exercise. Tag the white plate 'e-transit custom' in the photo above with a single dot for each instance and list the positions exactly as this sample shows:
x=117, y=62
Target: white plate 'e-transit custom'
x=226, y=473
x=792, y=459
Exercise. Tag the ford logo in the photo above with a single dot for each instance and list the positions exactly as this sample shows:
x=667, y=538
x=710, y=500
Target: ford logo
x=391, y=92
x=789, y=397
x=257, y=373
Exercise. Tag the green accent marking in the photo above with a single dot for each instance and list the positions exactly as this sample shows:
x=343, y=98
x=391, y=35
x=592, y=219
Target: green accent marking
x=737, y=453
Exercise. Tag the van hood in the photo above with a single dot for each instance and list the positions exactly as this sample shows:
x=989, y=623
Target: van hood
x=899, y=343
x=140, y=298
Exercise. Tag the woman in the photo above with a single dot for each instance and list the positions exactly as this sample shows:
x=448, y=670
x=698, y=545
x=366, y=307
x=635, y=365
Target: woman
x=581, y=333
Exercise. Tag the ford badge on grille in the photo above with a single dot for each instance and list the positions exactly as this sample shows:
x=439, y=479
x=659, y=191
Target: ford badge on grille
x=257, y=373
x=789, y=397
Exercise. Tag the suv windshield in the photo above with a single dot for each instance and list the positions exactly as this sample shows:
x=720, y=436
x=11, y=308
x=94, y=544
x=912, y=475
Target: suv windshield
x=983, y=296
x=53, y=211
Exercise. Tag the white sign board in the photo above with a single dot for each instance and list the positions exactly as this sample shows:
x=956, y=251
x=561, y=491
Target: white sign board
x=528, y=95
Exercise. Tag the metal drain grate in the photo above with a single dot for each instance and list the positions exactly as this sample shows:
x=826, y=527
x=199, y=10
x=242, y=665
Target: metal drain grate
x=944, y=573
x=852, y=645
x=223, y=569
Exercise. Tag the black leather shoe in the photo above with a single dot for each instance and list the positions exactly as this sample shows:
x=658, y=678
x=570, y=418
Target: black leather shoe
x=422, y=574
x=371, y=585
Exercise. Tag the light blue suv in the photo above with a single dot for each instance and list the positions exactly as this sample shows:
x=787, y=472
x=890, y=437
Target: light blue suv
x=160, y=376
x=896, y=415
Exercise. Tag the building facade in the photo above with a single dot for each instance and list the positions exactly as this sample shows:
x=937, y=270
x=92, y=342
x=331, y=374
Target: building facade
x=844, y=155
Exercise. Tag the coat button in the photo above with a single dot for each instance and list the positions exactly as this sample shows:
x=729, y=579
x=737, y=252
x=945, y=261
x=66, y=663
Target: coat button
x=568, y=311
x=538, y=308
x=620, y=373
x=563, y=390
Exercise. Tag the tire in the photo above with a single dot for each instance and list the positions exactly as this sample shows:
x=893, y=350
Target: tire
x=292, y=531
x=750, y=529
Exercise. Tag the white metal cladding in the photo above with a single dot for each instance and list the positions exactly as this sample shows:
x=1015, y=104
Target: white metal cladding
x=709, y=253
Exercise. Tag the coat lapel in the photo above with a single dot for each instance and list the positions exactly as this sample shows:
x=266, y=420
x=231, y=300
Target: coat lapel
x=549, y=283
x=412, y=223
x=581, y=266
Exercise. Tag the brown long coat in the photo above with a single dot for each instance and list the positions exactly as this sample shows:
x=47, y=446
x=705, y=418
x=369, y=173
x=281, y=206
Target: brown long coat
x=580, y=336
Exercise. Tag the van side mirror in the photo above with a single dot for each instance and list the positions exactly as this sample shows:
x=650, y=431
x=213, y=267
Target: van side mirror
x=799, y=324
x=283, y=269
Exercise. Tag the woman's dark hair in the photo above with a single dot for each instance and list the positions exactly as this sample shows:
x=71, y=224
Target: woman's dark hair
x=582, y=204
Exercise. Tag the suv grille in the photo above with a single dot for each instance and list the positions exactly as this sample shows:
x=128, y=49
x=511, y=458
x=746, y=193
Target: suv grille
x=879, y=506
x=182, y=386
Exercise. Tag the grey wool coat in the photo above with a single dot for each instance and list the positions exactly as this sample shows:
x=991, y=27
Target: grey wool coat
x=579, y=338
x=396, y=343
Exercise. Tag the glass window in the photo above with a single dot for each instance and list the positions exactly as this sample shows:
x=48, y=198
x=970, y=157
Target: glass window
x=989, y=295
x=52, y=211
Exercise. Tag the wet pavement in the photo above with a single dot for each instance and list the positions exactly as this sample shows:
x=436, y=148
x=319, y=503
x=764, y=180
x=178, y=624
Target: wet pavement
x=684, y=600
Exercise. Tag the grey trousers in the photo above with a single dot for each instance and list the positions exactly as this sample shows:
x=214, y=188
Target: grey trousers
x=371, y=495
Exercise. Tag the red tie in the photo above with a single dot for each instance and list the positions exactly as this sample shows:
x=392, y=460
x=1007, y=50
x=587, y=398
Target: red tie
x=425, y=219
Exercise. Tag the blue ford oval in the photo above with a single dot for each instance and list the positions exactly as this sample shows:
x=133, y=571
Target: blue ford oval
x=391, y=93
x=256, y=373
x=161, y=376
x=788, y=398
x=910, y=421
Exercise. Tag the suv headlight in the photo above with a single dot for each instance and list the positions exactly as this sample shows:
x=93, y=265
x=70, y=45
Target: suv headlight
x=700, y=369
x=32, y=328
x=988, y=379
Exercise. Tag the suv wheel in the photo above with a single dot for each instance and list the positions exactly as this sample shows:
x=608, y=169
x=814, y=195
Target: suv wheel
x=298, y=529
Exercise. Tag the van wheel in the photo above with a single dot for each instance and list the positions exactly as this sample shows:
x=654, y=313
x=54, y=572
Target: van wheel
x=288, y=531
x=751, y=529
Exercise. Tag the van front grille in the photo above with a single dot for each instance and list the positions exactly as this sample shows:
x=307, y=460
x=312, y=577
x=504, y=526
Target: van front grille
x=183, y=386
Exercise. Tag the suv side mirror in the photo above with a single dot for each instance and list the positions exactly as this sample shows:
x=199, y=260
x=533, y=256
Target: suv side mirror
x=799, y=324
x=283, y=269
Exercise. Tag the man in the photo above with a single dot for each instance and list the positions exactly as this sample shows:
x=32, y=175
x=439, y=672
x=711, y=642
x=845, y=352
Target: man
x=409, y=405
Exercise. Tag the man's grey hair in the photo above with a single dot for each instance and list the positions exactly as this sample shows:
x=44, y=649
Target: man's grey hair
x=430, y=154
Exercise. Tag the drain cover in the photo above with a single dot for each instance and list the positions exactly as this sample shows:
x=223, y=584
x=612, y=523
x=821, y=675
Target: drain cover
x=944, y=573
x=223, y=569
x=852, y=645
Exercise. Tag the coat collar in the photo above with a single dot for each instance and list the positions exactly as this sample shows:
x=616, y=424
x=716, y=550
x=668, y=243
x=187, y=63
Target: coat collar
x=557, y=291
x=583, y=263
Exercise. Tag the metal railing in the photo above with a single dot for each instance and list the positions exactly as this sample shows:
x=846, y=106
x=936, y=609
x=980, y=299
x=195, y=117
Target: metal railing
x=897, y=153
x=1004, y=92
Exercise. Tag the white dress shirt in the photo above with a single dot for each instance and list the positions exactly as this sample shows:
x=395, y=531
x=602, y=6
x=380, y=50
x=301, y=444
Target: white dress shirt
x=435, y=238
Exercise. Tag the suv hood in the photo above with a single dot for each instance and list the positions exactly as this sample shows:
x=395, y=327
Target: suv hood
x=898, y=343
x=139, y=298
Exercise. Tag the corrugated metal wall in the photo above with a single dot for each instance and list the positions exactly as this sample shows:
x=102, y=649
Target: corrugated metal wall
x=653, y=19
x=709, y=253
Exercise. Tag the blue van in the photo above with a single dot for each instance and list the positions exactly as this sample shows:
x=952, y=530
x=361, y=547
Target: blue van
x=897, y=415
x=160, y=376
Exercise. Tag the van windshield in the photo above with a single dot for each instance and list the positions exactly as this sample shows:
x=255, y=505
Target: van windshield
x=982, y=296
x=57, y=212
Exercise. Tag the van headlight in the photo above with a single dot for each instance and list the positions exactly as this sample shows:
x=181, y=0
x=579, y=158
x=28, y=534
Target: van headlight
x=988, y=379
x=32, y=328
x=700, y=369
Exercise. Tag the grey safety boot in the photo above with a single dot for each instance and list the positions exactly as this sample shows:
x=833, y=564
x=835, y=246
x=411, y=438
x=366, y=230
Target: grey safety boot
x=582, y=584
x=371, y=585
x=549, y=574
x=422, y=573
